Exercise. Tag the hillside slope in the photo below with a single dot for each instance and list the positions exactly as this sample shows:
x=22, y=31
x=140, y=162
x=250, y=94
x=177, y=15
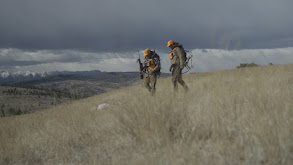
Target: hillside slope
x=18, y=100
x=88, y=85
x=240, y=116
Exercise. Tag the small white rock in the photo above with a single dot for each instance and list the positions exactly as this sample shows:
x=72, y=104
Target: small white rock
x=102, y=106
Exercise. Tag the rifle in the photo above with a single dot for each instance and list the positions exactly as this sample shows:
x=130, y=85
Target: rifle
x=141, y=68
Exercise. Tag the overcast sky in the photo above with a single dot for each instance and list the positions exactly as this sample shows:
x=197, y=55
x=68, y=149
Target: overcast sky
x=95, y=34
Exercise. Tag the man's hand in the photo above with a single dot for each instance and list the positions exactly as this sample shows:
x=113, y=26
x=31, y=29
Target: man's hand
x=171, y=56
x=171, y=67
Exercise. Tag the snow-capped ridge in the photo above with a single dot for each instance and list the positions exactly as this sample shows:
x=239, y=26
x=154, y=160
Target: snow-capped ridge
x=6, y=74
x=20, y=76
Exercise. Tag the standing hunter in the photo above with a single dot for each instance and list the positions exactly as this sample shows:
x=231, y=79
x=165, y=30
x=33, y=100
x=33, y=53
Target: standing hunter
x=151, y=68
x=177, y=57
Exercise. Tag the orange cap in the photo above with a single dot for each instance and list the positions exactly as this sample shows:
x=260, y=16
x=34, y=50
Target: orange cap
x=170, y=43
x=147, y=51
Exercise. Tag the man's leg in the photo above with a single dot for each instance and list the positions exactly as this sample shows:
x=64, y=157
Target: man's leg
x=147, y=82
x=175, y=74
x=180, y=81
x=153, y=80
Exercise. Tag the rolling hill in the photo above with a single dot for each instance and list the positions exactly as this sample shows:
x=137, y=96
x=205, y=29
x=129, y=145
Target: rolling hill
x=239, y=116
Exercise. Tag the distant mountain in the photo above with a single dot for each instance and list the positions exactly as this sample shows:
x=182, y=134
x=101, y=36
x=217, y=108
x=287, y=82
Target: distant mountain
x=23, y=76
x=16, y=77
x=6, y=74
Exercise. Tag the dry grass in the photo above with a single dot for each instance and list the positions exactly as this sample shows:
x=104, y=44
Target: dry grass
x=241, y=116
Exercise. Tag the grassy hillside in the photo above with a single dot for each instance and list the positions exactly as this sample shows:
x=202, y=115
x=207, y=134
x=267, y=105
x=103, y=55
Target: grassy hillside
x=241, y=116
x=22, y=100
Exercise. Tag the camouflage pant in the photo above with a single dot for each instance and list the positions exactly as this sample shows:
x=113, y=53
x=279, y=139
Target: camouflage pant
x=177, y=78
x=150, y=81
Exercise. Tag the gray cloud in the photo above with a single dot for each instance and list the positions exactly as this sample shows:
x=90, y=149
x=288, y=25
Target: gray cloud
x=18, y=57
x=216, y=59
x=105, y=34
x=114, y=25
x=203, y=59
x=13, y=59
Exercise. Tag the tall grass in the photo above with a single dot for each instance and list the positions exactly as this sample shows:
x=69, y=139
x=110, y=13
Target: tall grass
x=241, y=116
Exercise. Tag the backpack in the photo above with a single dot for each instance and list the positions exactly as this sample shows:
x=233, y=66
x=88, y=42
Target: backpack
x=186, y=59
x=184, y=52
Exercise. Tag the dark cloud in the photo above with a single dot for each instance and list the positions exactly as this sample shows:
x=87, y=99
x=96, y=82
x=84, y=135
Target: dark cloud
x=115, y=25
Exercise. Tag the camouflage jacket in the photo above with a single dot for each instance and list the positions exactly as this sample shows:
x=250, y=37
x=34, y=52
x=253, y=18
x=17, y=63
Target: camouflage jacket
x=152, y=64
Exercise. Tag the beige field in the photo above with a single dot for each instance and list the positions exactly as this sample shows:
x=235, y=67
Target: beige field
x=240, y=116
